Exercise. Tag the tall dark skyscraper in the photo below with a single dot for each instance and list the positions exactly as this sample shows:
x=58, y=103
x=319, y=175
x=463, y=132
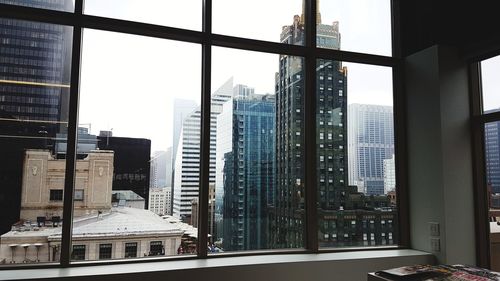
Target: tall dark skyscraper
x=131, y=162
x=345, y=216
x=34, y=93
x=287, y=225
x=492, y=153
x=245, y=168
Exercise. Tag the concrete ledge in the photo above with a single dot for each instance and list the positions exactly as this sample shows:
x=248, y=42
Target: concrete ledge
x=346, y=266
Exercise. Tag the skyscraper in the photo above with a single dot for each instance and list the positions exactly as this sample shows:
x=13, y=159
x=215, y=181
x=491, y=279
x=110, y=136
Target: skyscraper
x=287, y=217
x=187, y=160
x=131, y=162
x=245, y=168
x=161, y=169
x=492, y=155
x=371, y=140
x=34, y=93
x=389, y=175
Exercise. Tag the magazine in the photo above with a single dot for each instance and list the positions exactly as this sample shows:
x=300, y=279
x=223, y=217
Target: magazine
x=456, y=272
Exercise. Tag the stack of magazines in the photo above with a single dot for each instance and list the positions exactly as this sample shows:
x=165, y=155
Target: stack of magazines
x=456, y=272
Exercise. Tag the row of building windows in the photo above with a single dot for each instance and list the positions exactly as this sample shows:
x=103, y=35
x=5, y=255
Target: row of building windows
x=156, y=248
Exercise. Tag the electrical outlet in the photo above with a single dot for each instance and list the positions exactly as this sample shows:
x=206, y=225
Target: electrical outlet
x=434, y=228
x=435, y=245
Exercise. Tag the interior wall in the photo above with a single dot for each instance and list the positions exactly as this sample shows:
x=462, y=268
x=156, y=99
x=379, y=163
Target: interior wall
x=439, y=153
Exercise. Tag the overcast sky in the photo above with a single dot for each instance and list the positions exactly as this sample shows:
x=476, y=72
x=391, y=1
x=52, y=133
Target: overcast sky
x=489, y=73
x=129, y=82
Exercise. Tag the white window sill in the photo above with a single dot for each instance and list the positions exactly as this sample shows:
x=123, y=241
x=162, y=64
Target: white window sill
x=357, y=263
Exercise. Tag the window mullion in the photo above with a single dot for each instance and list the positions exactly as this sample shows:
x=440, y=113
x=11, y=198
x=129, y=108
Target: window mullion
x=310, y=129
x=481, y=201
x=205, y=131
x=72, y=140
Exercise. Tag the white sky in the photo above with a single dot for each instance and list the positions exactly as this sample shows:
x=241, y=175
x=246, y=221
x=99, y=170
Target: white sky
x=129, y=82
x=491, y=83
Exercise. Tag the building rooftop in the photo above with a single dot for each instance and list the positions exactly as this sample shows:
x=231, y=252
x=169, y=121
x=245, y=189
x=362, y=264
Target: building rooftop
x=122, y=221
x=128, y=195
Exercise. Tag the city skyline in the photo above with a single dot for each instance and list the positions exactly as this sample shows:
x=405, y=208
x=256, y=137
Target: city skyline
x=104, y=70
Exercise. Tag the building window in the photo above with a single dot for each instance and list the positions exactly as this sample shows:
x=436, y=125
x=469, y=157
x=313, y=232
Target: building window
x=156, y=248
x=56, y=195
x=131, y=250
x=79, y=195
x=105, y=251
x=78, y=253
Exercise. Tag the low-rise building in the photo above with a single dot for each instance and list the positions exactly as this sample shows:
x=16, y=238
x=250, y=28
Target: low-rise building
x=100, y=231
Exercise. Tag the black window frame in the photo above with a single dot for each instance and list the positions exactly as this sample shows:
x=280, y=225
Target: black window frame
x=79, y=252
x=105, y=251
x=156, y=248
x=479, y=120
x=130, y=245
x=56, y=195
x=79, y=21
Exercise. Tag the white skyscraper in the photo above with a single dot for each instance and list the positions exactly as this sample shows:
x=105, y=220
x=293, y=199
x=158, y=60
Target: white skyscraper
x=159, y=200
x=161, y=169
x=370, y=138
x=389, y=174
x=187, y=160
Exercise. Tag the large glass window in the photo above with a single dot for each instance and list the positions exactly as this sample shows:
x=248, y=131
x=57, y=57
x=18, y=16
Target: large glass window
x=140, y=120
x=60, y=5
x=363, y=25
x=34, y=94
x=258, y=151
x=276, y=21
x=490, y=84
x=491, y=148
x=139, y=96
x=183, y=14
x=355, y=155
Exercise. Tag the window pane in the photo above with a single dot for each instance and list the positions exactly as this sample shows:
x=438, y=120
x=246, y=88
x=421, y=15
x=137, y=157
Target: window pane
x=257, y=116
x=60, y=5
x=362, y=26
x=355, y=155
x=492, y=156
x=133, y=91
x=490, y=83
x=185, y=14
x=260, y=19
x=34, y=93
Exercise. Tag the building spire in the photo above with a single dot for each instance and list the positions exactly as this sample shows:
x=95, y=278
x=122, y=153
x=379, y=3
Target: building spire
x=318, y=14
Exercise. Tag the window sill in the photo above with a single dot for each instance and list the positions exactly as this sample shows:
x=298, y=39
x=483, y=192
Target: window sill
x=276, y=266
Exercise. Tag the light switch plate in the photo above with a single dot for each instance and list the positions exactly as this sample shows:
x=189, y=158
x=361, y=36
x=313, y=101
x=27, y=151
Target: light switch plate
x=434, y=228
x=435, y=245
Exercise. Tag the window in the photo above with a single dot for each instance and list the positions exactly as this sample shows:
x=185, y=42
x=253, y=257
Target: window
x=273, y=149
x=79, y=195
x=131, y=250
x=56, y=195
x=487, y=129
x=78, y=253
x=105, y=251
x=156, y=248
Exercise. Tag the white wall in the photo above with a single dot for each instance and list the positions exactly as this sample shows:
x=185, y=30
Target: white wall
x=439, y=153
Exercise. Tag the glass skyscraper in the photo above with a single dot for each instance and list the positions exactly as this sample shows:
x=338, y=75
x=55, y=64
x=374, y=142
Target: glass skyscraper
x=245, y=166
x=492, y=155
x=35, y=60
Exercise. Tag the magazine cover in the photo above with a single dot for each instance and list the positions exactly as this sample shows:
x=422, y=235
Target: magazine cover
x=456, y=272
